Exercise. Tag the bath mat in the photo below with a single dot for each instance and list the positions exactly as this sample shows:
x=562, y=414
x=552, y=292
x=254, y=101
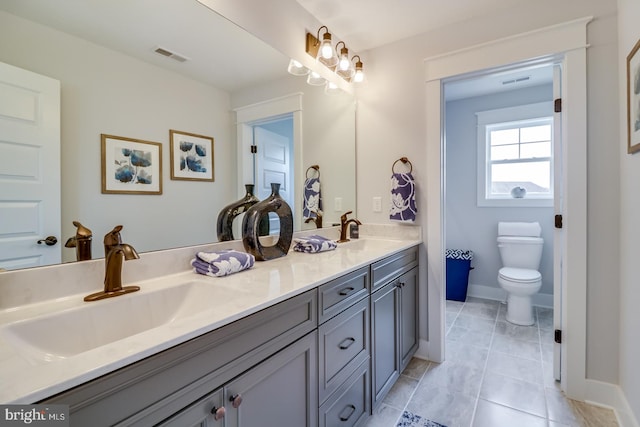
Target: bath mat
x=412, y=420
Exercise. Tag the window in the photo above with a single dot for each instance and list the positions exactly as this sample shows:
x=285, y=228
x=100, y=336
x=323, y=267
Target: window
x=515, y=151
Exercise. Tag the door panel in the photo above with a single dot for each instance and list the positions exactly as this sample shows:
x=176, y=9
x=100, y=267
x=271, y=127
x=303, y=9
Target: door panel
x=29, y=168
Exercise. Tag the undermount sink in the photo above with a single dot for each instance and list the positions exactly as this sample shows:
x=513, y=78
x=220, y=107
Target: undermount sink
x=93, y=324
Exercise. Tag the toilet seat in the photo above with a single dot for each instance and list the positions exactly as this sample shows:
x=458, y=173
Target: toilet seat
x=519, y=275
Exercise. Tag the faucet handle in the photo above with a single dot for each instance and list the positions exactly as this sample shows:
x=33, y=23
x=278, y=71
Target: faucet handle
x=343, y=217
x=113, y=237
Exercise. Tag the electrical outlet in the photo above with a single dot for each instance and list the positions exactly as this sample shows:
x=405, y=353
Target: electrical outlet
x=337, y=204
x=377, y=204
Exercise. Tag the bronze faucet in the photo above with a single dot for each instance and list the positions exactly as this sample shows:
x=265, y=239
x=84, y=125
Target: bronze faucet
x=81, y=241
x=115, y=252
x=344, y=226
x=317, y=220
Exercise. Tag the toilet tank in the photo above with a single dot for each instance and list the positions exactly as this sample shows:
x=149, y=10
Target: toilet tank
x=520, y=252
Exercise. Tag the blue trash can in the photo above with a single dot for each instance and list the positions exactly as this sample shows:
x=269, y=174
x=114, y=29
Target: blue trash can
x=458, y=268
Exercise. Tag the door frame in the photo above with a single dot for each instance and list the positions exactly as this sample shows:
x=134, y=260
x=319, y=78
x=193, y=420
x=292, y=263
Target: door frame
x=566, y=42
x=245, y=116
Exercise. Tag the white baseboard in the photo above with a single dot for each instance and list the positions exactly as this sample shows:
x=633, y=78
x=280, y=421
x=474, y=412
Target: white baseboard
x=611, y=396
x=499, y=294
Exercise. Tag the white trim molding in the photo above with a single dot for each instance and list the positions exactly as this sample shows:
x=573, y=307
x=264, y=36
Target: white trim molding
x=611, y=396
x=565, y=44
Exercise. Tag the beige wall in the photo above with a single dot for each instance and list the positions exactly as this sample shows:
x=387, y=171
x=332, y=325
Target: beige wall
x=629, y=33
x=103, y=91
x=391, y=114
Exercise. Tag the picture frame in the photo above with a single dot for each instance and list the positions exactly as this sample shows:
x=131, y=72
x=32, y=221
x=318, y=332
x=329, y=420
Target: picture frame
x=192, y=156
x=130, y=166
x=633, y=100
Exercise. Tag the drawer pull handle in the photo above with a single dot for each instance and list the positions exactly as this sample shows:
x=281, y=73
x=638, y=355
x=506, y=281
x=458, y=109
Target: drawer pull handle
x=346, y=291
x=236, y=400
x=351, y=410
x=218, y=413
x=346, y=343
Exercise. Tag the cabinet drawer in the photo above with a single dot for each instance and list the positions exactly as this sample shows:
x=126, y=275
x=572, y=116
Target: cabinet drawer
x=340, y=293
x=391, y=267
x=344, y=344
x=349, y=405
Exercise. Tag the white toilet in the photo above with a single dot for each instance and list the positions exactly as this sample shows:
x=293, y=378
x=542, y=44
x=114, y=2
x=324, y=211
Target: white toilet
x=520, y=247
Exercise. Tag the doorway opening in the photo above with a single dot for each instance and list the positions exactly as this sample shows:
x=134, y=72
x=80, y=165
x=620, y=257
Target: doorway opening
x=502, y=158
x=272, y=151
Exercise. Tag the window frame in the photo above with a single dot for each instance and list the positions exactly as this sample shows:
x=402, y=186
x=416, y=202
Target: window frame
x=503, y=116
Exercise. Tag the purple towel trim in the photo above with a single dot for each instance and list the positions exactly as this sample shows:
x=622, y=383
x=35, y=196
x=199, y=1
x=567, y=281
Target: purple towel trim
x=313, y=244
x=312, y=202
x=403, y=198
x=221, y=263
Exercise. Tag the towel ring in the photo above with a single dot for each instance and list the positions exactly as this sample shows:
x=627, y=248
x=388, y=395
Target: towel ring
x=403, y=160
x=314, y=167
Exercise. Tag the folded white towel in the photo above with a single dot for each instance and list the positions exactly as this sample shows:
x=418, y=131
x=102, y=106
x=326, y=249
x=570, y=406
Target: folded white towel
x=528, y=229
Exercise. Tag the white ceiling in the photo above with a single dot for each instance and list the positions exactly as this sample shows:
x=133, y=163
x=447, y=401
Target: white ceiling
x=367, y=24
x=220, y=53
x=224, y=55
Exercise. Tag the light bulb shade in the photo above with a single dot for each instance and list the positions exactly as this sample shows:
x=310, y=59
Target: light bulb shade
x=297, y=69
x=315, y=79
x=358, y=75
x=326, y=53
x=332, y=89
x=344, y=68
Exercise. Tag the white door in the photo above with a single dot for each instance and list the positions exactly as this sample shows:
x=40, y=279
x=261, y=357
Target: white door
x=273, y=165
x=29, y=168
x=558, y=234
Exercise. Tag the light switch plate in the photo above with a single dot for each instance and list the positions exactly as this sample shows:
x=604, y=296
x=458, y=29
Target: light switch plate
x=377, y=204
x=337, y=204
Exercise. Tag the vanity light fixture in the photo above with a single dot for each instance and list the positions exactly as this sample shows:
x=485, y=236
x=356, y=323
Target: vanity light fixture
x=324, y=51
x=358, y=76
x=297, y=69
x=344, y=68
x=332, y=89
x=315, y=79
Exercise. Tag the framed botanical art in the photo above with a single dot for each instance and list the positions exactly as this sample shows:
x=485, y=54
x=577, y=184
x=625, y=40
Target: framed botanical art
x=131, y=166
x=191, y=156
x=633, y=100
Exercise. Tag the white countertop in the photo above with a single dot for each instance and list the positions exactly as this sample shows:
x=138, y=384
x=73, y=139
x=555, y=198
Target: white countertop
x=28, y=379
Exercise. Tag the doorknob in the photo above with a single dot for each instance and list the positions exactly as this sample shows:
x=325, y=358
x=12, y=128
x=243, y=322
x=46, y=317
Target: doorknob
x=49, y=241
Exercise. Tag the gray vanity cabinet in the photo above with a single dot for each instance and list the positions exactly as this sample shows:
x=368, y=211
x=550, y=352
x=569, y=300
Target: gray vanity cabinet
x=344, y=350
x=394, y=320
x=281, y=391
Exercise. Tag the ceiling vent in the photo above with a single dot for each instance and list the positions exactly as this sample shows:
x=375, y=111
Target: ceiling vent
x=169, y=54
x=517, y=80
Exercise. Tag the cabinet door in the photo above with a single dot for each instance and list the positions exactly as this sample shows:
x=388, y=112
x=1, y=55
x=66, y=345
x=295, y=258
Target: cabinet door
x=408, y=283
x=206, y=412
x=281, y=391
x=385, y=340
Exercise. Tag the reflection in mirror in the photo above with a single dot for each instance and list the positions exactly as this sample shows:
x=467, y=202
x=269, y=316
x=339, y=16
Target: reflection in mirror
x=112, y=81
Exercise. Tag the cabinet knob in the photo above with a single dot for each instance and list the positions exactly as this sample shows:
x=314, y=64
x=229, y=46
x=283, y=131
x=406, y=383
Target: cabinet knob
x=218, y=413
x=236, y=400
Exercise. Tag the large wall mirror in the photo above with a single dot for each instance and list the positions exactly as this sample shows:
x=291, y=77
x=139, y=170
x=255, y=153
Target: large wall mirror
x=114, y=82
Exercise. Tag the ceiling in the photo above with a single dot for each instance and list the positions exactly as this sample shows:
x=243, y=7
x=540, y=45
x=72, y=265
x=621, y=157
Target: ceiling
x=219, y=52
x=222, y=54
x=367, y=24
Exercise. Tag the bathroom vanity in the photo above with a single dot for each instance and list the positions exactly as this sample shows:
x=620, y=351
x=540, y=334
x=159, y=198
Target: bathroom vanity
x=308, y=339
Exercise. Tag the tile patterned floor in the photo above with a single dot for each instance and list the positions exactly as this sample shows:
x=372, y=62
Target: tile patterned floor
x=496, y=375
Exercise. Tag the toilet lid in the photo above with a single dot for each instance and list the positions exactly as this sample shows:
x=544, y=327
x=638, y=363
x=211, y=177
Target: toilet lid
x=519, y=274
